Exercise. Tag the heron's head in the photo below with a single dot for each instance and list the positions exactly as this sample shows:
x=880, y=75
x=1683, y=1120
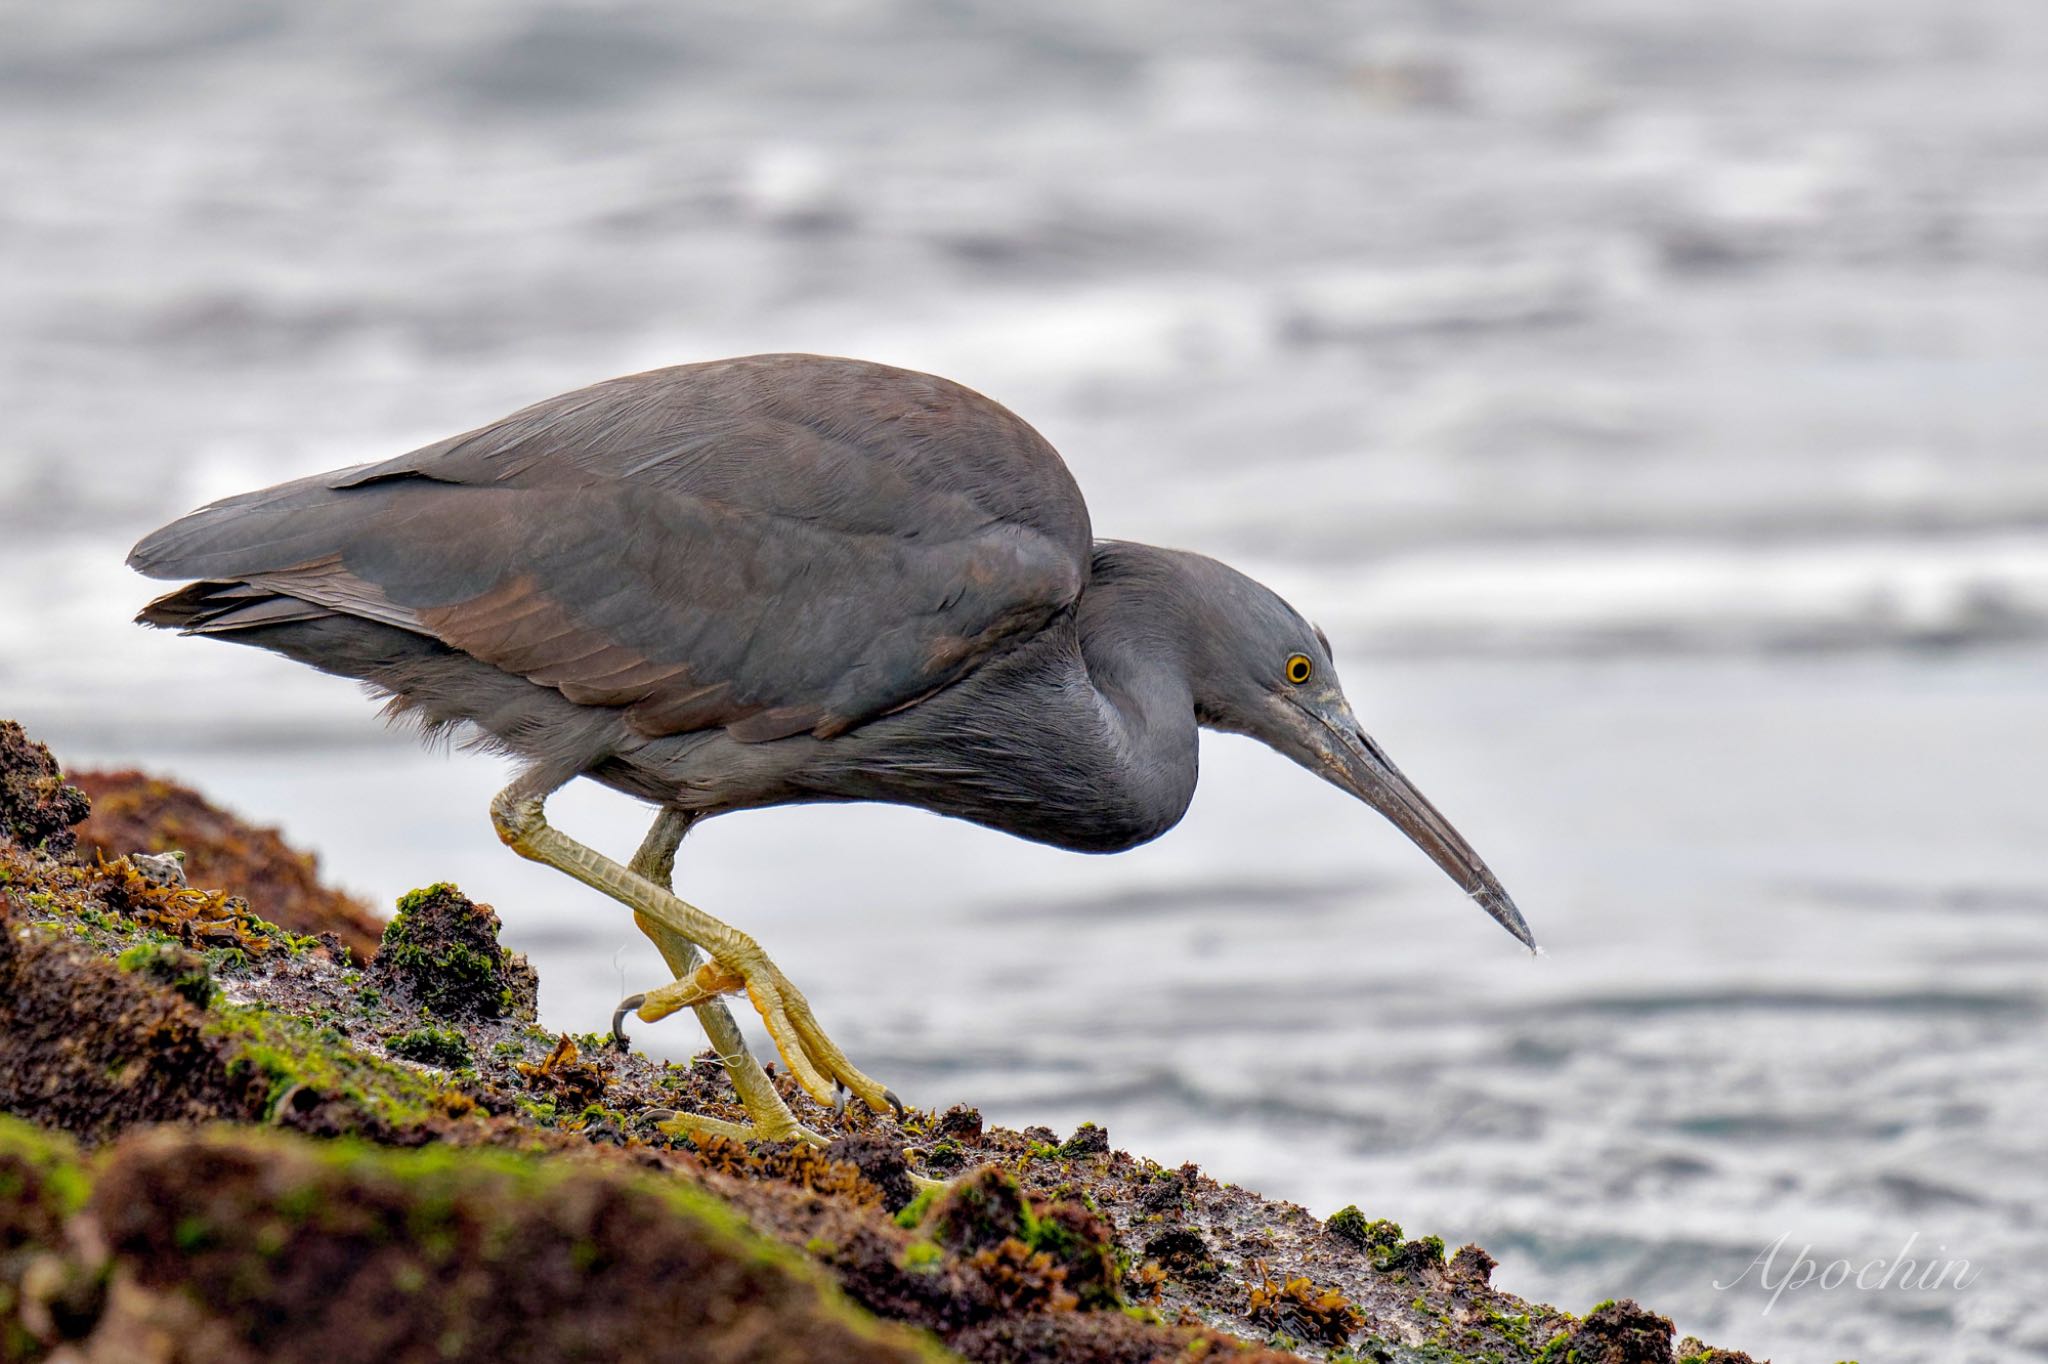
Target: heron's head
x=1258, y=668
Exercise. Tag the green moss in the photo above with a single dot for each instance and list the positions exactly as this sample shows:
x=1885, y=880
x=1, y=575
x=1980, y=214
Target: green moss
x=1060, y=1242
x=180, y=969
x=1513, y=1328
x=442, y=950
x=1353, y=1226
x=1405, y=1255
x=39, y=1168
x=914, y=1212
x=1088, y=1140
x=981, y=1210
x=455, y=969
x=945, y=1154
x=472, y=1197
x=598, y=1114
x=286, y=1054
x=413, y=899
x=443, y=1047
x=923, y=1257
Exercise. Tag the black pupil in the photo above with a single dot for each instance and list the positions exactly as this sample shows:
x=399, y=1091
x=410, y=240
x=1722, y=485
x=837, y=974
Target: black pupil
x=1298, y=670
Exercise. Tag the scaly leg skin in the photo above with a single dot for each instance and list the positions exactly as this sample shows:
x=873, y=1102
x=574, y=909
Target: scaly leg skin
x=656, y=861
x=772, y=1120
x=817, y=1063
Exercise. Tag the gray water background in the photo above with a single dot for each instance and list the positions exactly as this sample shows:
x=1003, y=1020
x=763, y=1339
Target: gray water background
x=1651, y=401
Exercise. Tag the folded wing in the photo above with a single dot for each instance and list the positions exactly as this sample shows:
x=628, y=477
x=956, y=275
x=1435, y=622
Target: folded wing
x=773, y=546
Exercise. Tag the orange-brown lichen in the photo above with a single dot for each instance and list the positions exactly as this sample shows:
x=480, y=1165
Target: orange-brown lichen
x=1300, y=1308
x=197, y=918
x=796, y=1163
x=134, y=812
x=1024, y=1279
x=569, y=1080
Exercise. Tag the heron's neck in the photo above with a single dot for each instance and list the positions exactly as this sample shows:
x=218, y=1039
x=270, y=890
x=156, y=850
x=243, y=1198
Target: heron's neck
x=1134, y=631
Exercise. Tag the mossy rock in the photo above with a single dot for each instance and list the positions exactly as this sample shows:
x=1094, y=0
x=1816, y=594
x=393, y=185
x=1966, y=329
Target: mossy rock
x=47, y=1295
x=1376, y=1234
x=443, y=1047
x=1088, y=1140
x=442, y=953
x=42, y=1183
x=980, y=1212
x=37, y=808
x=313, y=1081
x=1622, y=1332
x=262, y=1245
x=172, y=965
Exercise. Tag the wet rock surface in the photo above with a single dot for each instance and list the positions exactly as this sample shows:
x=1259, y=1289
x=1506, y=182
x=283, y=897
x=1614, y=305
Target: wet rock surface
x=453, y=1181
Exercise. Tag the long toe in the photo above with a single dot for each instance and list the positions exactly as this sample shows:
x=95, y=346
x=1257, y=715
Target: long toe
x=697, y=1124
x=707, y=982
x=625, y=1006
x=813, y=1056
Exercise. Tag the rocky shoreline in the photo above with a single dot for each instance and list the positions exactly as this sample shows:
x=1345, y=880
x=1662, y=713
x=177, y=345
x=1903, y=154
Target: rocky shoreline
x=247, y=1124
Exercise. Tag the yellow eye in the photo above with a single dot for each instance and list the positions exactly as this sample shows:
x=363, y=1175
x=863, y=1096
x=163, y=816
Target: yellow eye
x=1299, y=669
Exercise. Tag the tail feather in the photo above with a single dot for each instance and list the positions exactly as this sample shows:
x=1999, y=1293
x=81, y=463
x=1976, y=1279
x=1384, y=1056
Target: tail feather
x=253, y=532
x=211, y=608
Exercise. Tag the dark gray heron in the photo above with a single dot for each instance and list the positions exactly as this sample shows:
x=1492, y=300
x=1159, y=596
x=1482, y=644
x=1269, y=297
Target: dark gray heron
x=776, y=579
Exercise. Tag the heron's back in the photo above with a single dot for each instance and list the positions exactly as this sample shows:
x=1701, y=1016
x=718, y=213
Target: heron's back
x=766, y=546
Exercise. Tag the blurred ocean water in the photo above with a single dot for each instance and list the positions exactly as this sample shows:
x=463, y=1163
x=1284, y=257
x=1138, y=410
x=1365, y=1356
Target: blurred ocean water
x=1648, y=403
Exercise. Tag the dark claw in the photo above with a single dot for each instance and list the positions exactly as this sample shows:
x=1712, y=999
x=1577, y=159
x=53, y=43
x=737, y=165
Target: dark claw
x=659, y=1115
x=897, y=1104
x=626, y=1006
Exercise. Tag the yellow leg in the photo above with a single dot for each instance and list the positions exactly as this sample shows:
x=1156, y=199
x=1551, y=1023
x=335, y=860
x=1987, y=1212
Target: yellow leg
x=771, y=1118
x=813, y=1058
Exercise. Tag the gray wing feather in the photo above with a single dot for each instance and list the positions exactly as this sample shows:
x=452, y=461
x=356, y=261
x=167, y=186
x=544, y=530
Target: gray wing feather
x=770, y=545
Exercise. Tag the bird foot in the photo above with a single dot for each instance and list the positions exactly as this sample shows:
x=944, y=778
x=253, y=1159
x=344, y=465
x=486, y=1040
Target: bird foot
x=813, y=1058
x=676, y=1124
x=708, y=981
x=519, y=815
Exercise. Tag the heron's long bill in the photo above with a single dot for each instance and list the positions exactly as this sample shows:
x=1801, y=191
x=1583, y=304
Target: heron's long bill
x=1360, y=767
